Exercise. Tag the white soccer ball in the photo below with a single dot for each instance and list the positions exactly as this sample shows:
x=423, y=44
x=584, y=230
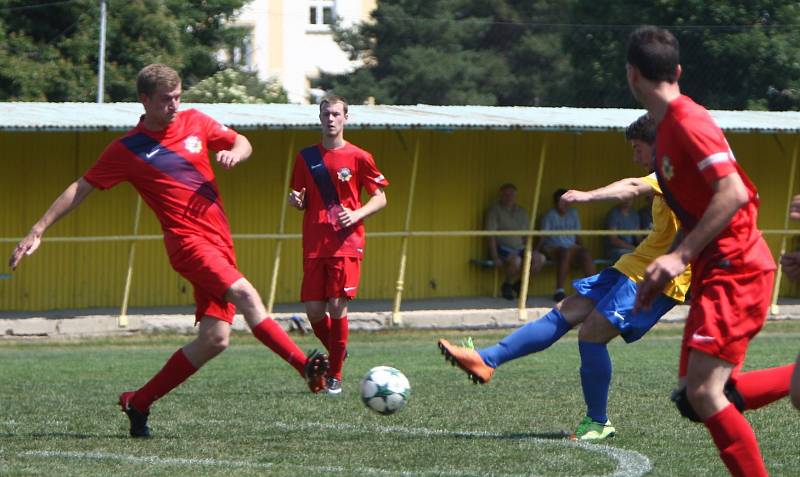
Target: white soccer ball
x=385, y=390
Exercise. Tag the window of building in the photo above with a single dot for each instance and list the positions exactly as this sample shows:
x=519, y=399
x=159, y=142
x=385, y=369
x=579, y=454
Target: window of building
x=321, y=12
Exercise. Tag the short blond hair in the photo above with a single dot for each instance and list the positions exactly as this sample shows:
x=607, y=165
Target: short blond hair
x=154, y=75
x=333, y=99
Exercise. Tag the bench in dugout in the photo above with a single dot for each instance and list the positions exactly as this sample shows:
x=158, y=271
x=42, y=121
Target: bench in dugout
x=488, y=264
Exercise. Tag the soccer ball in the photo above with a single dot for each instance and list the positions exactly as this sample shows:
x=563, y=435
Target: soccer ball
x=385, y=390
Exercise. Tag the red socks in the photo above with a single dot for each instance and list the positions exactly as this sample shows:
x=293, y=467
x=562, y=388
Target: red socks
x=736, y=442
x=177, y=370
x=322, y=330
x=763, y=386
x=337, y=346
x=275, y=338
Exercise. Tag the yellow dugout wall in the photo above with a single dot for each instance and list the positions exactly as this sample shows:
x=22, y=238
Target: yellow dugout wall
x=458, y=177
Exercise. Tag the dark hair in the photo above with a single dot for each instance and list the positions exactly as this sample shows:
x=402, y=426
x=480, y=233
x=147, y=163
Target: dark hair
x=655, y=52
x=333, y=99
x=558, y=193
x=152, y=76
x=508, y=185
x=643, y=129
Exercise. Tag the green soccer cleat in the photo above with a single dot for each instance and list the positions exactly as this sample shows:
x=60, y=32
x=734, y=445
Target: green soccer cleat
x=593, y=431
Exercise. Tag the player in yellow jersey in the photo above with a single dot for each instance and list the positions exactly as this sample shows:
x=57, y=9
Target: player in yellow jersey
x=603, y=303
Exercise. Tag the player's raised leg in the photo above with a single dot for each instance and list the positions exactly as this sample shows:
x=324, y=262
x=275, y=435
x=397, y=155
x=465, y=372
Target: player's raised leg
x=271, y=334
x=532, y=337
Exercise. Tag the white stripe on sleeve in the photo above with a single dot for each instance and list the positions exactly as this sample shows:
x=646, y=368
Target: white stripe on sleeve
x=714, y=159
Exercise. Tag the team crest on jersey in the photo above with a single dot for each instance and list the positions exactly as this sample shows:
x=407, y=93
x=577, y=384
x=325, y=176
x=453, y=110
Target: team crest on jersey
x=666, y=168
x=344, y=174
x=193, y=144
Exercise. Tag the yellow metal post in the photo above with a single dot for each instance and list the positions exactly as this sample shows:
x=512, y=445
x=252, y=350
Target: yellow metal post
x=276, y=264
x=526, y=262
x=397, y=318
x=774, y=309
x=122, y=321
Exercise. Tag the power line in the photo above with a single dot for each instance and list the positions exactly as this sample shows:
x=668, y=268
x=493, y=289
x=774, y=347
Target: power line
x=38, y=5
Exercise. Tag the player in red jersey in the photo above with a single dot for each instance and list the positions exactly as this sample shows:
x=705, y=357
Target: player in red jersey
x=791, y=266
x=327, y=183
x=732, y=267
x=165, y=158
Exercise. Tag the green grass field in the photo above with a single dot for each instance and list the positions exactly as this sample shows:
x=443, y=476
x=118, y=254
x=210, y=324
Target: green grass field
x=248, y=413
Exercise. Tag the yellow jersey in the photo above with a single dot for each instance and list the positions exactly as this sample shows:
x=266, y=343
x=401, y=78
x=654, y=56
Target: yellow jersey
x=657, y=243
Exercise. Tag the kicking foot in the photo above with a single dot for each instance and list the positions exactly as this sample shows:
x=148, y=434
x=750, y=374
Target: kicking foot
x=593, y=431
x=467, y=359
x=137, y=418
x=316, y=367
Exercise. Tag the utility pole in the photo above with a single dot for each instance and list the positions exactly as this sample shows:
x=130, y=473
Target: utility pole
x=101, y=56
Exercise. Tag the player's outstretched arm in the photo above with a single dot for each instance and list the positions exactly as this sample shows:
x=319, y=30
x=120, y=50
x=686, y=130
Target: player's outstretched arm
x=240, y=151
x=620, y=190
x=375, y=203
x=72, y=196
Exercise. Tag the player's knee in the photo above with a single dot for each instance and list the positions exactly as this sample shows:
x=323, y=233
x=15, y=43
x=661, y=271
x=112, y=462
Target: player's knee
x=215, y=343
x=681, y=400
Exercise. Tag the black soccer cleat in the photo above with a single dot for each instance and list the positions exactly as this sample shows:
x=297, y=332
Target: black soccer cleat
x=137, y=418
x=317, y=365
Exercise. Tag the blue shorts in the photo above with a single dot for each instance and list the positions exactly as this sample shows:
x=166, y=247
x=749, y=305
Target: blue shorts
x=504, y=251
x=614, y=295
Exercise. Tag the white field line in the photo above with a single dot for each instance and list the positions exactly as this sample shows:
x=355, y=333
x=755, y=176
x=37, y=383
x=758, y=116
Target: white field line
x=629, y=463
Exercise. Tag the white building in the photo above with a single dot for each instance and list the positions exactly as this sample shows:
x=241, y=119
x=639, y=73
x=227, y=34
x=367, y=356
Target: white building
x=292, y=40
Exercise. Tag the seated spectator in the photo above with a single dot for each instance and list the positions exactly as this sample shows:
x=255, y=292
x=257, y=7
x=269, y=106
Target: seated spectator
x=622, y=217
x=564, y=250
x=646, y=214
x=507, y=251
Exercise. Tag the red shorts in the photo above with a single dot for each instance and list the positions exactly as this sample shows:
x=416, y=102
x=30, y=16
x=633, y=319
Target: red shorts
x=211, y=269
x=333, y=277
x=726, y=312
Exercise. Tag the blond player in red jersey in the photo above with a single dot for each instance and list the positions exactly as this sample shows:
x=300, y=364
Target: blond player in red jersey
x=327, y=182
x=732, y=267
x=165, y=158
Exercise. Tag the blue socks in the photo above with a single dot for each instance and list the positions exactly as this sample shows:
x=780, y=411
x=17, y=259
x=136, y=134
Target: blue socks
x=595, y=378
x=533, y=337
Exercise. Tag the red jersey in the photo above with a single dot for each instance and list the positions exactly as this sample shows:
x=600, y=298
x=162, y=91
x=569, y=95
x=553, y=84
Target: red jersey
x=171, y=171
x=691, y=154
x=351, y=169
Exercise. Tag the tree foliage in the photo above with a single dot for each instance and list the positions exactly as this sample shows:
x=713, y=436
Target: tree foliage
x=454, y=52
x=233, y=86
x=735, y=54
x=48, y=50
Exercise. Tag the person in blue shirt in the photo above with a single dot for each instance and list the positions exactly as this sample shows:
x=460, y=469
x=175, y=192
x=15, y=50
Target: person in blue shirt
x=564, y=250
x=622, y=217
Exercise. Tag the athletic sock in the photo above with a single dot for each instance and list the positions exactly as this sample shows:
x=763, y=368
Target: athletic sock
x=530, y=338
x=340, y=330
x=595, y=379
x=177, y=369
x=763, y=386
x=275, y=338
x=322, y=330
x=736, y=442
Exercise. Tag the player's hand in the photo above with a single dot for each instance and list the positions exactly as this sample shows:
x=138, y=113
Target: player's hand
x=790, y=264
x=794, y=208
x=574, y=197
x=26, y=246
x=656, y=275
x=347, y=217
x=297, y=199
x=228, y=159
